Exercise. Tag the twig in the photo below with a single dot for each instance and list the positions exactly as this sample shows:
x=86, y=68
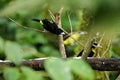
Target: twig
x=71, y=31
x=106, y=75
x=51, y=15
x=99, y=43
x=57, y=19
x=70, y=22
x=101, y=38
x=108, y=47
x=25, y=27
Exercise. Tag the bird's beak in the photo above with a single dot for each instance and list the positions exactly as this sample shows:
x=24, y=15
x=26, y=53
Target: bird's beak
x=36, y=20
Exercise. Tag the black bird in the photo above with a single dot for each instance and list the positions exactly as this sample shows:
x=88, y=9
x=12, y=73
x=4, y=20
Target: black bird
x=92, y=52
x=50, y=26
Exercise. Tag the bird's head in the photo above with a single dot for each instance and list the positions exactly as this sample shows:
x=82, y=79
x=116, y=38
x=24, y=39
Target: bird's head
x=37, y=20
x=96, y=45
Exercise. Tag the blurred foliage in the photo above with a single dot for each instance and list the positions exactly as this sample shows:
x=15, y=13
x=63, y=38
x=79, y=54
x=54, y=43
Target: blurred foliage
x=22, y=73
x=88, y=16
x=78, y=67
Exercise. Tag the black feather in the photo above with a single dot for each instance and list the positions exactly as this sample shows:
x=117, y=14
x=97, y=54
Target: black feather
x=50, y=26
x=91, y=52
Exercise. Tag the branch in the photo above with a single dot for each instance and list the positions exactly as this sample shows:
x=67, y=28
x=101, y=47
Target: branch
x=87, y=49
x=60, y=37
x=25, y=27
x=101, y=64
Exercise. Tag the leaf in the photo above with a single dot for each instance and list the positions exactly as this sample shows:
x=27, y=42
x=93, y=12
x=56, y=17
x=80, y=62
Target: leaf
x=1, y=45
x=58, y=70
x=46, y=49
x=29, y=52
x=11, y=74
x=15, y=6
x=82, y=69
x=13, y=52
x=30, y=74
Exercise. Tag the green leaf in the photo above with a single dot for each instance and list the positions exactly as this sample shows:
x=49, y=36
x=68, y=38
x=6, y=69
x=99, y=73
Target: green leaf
x=15, y=6
x=30, y=74
x=82, y=69
x=1, y=45
x=53, y=52
x=13, y=52
x=29, y=51
x=58, y=70
x=11, y=74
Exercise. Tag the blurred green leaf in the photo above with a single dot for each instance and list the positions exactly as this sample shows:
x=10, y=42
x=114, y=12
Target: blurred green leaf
x=49, y=51
x=30, y=52
x=13, y=52
x=116, y=46
x=3, y=3
x=82, y=69
x=98, y=15
x=11, y=74
x=30, y=74
x=101, y=75
x=58, y=70
x=1, y=45
x=32, y=37
x=15, y=6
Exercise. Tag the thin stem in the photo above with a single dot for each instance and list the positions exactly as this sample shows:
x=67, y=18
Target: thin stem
x=70, y=23
x=25, y=27
x=51, y=15
x=106, y=75
x=108, y=47
x=99, y=43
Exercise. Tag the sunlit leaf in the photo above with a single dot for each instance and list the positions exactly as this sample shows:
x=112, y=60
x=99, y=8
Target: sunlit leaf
x=58, y=70
x=11, y=74
x=29, y=51
x=30, y=74
x=49, y=51
x=15, y=6
x=82, y=69
x=1, y=45
x=13, y=52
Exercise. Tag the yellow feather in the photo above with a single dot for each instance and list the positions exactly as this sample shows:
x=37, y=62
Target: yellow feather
x=70, y=41
x=41, y=22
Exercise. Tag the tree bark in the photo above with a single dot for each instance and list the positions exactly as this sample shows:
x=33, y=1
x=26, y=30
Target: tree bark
x=101, y=64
